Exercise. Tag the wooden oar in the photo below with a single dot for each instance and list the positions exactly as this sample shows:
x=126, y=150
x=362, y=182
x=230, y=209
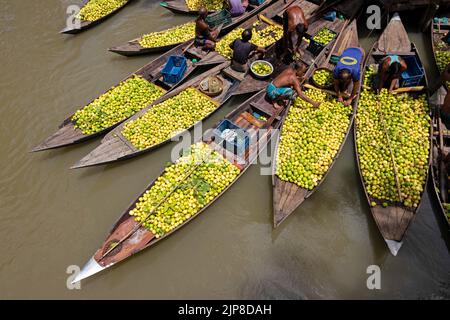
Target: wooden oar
x=402, y=90
x=151, y=212
x=391, y=151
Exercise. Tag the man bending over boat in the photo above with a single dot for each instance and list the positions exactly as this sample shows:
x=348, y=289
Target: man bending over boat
x=243, y=50
x=389, y=71
x=347, y=71
x=236, y=7
x=294, y=25
x=205, y=37
x=444, y=110
x=286, y=84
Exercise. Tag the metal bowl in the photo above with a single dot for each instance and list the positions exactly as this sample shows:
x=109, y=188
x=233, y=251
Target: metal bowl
x=261, y=76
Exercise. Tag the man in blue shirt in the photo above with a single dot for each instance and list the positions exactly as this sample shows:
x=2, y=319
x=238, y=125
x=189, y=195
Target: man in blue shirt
x=347, y=71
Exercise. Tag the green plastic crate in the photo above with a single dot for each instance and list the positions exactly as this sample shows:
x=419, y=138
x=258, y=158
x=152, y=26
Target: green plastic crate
x=218, y=18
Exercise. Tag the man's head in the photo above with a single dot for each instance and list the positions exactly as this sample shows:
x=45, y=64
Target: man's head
x=300, y=28
x=300, y=69
x=203, y=12
x=344, y=75
x=246, y=35
x=394, y=69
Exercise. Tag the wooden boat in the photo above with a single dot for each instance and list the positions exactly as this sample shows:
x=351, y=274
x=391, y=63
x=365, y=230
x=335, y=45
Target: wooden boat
x=440, y=149
x=394, y=220
x=84, y=25
x=128, y=237
x=133, y=47
x=68, y=134
x=115, y=146
x=178, y=6
x=289, y=196
x=438, y=31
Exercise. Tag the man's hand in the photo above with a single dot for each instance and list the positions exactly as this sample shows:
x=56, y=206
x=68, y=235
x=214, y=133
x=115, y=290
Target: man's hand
x=316, y=104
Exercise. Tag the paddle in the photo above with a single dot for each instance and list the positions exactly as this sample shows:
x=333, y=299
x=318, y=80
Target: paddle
x=151, y=212
x=402, y=90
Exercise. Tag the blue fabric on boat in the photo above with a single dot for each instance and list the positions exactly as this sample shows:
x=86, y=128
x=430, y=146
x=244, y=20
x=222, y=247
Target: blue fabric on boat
x=274, y=92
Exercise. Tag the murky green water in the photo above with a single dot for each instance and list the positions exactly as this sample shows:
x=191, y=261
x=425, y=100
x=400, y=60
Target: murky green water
x=52, y=217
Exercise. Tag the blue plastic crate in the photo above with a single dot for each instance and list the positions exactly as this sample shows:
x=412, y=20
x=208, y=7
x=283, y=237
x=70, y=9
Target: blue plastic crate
x=174, y=69
x=239, y=144
x=414, y=74
x=256, y=2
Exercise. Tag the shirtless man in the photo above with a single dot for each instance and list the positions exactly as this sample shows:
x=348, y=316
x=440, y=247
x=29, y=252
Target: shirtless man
x=205, y=37
x=389, y=72
x=294, y=24
x=286, y=84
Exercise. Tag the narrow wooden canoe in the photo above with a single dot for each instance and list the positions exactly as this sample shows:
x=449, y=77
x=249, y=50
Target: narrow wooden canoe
x=115, y=146
x=394, y=220
x=289, y=196
x=438, y=31
x=84, y=25
x=68, y=134
x=133, y=47
x=440, y=148
x=141, y=238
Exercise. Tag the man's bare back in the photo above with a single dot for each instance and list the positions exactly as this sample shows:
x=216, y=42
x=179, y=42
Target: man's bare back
x=287, y=78
x=295, y=16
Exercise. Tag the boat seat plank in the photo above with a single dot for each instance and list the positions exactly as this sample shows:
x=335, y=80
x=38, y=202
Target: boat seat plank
x=239, y=76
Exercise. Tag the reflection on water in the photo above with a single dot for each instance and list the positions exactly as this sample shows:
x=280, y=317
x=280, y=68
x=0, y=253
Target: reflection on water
x=53, y=217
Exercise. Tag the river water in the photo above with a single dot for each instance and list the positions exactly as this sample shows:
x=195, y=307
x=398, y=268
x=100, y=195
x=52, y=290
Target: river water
x=53, y=217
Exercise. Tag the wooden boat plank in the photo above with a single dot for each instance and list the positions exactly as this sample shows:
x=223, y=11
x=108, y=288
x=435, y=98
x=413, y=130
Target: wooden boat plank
x=394, y=39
